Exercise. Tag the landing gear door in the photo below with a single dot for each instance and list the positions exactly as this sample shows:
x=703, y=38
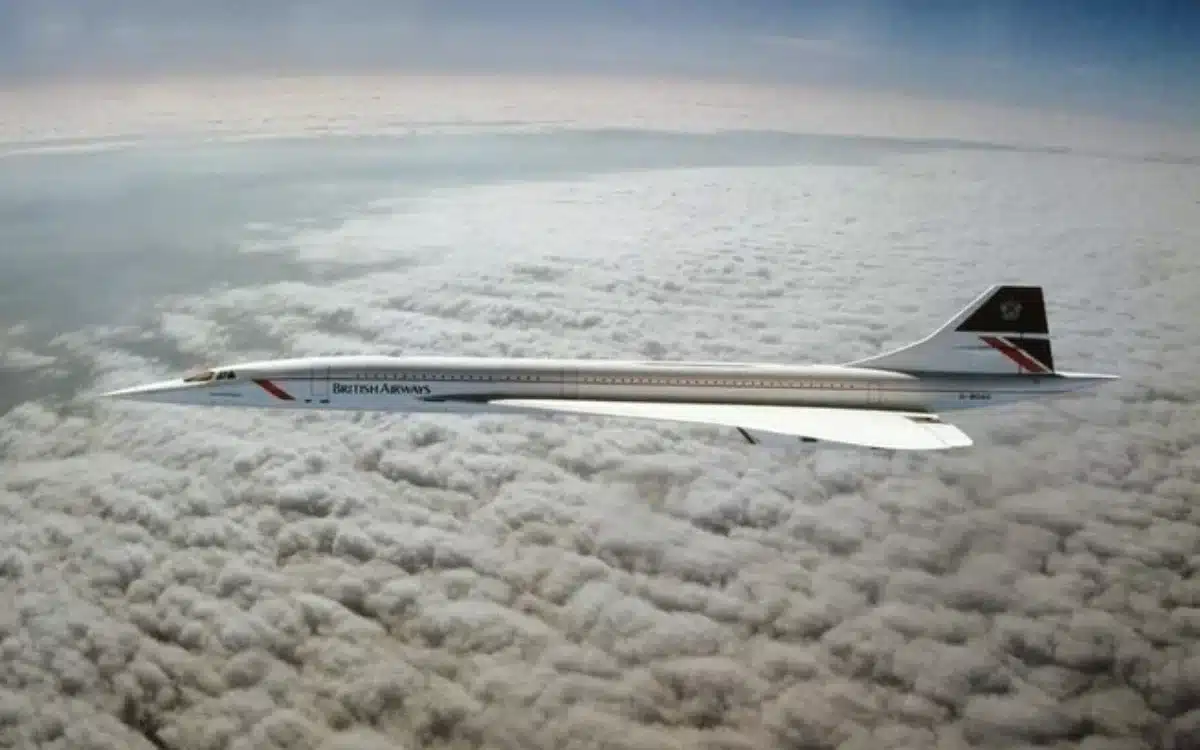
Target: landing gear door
x=320, y=385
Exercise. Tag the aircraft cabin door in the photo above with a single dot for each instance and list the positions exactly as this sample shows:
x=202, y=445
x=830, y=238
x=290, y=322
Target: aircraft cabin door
x=320, y=385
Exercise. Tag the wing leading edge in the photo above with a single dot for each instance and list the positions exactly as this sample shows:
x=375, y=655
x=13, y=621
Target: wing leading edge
x=888, y=430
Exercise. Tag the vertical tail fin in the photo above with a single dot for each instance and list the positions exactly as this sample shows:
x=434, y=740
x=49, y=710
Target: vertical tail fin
x=1003, y=332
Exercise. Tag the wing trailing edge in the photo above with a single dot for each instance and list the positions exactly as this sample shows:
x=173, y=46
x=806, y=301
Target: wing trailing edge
x=886, y=430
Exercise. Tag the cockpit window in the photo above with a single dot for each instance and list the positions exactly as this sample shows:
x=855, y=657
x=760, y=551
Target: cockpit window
x=206, y=375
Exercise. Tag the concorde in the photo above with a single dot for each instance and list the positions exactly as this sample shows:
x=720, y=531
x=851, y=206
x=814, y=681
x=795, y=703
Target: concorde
x=995, y=351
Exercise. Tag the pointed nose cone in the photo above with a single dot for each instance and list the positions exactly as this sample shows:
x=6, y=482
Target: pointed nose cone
x=168, y=392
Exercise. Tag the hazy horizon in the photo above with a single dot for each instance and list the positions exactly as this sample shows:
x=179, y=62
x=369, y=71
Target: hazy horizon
x=1116, y=59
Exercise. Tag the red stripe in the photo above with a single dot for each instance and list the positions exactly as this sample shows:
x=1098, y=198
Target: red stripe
x=1023, y=360
x=274, y=390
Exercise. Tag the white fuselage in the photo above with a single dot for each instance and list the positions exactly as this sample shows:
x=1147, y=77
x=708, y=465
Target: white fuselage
x=466, y=385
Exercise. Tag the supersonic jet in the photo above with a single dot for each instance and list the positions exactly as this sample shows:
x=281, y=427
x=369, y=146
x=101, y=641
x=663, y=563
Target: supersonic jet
x=995, y=351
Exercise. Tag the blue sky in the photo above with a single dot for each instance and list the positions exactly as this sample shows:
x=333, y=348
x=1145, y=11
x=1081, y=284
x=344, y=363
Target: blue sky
x=1130, y=59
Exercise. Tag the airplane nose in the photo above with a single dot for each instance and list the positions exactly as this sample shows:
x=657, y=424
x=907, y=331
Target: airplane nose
x=170, y=391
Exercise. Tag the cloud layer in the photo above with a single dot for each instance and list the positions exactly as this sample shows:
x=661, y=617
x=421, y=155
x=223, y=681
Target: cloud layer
x=205, y=579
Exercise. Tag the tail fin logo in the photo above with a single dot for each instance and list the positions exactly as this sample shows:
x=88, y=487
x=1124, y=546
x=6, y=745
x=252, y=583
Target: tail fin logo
x=1006, y=310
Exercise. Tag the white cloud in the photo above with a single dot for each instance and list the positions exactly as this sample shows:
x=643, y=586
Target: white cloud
x=241, y=579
